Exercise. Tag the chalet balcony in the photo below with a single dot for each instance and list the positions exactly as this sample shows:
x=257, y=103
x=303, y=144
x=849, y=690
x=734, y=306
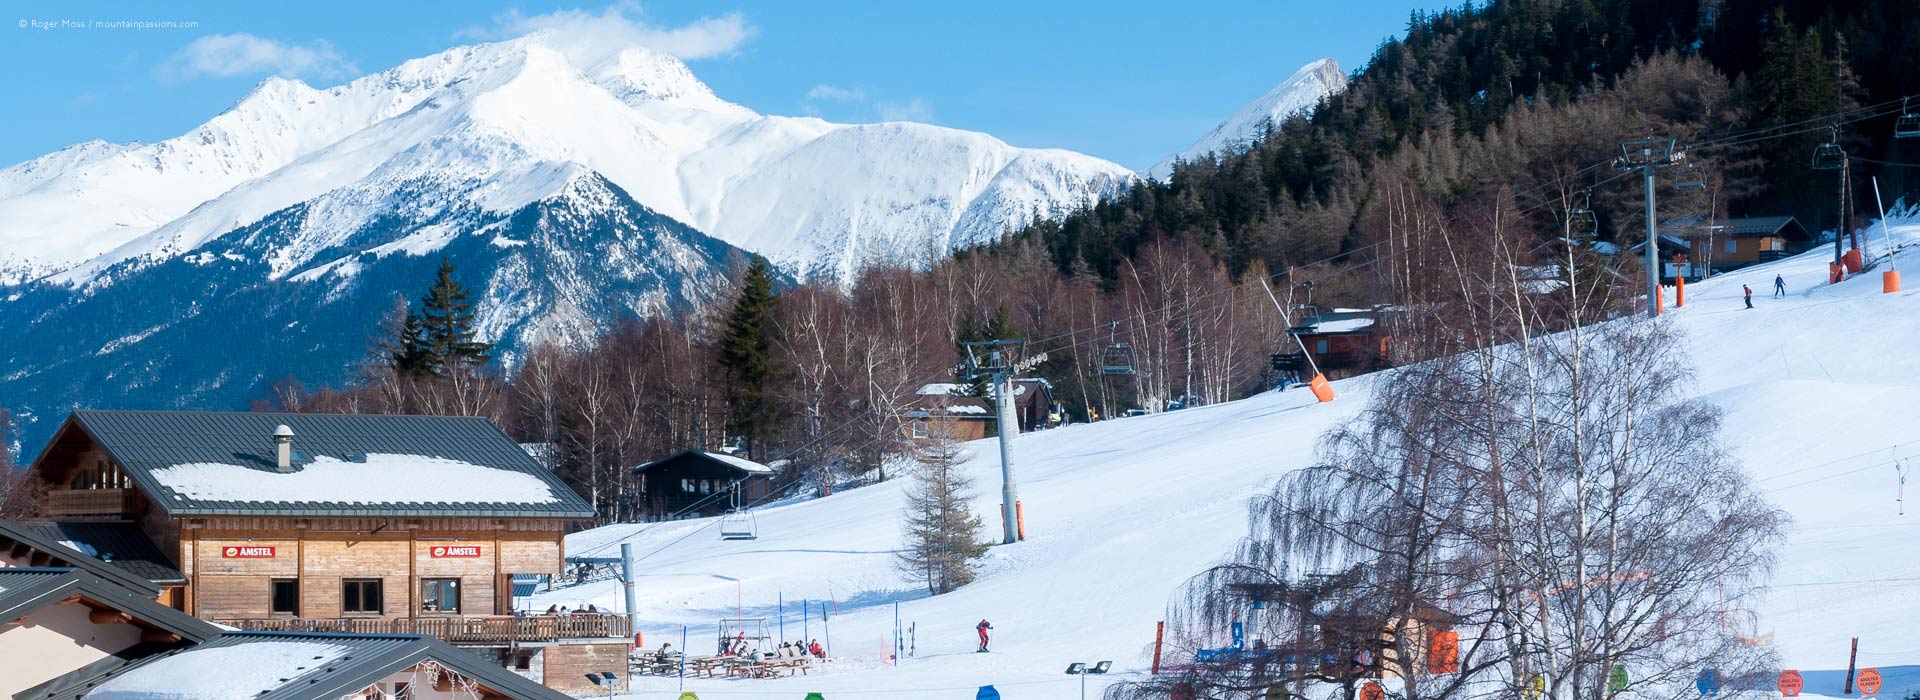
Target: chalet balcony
x=90, y=503
x=479, y=630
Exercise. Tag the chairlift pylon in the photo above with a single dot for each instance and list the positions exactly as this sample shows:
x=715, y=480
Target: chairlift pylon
x=1117, y=359
x=1829, y=155
x=1908, y=125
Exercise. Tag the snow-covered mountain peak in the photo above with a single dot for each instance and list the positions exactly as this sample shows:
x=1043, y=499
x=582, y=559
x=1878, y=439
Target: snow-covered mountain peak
x=638, y=74
x=465, y=127
x=1297, y=94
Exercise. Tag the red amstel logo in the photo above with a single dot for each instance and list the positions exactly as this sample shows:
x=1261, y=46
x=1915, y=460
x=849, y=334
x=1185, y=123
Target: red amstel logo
x=459, y=550
x=238, y=552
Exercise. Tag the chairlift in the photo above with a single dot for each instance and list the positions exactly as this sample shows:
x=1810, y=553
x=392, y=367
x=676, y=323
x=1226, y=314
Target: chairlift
x=1692, y=177
x=1908, y=125
x=1829, y=155
x=1117, y=359
x=739, y=523
x=1582, y=222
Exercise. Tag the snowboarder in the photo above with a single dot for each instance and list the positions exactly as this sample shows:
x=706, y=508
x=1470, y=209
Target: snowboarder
x=1749, y=292
x=983, y=627
x=1779, y=287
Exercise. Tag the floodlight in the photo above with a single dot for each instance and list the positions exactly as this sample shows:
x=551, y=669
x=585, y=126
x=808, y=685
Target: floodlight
x=1076, y=668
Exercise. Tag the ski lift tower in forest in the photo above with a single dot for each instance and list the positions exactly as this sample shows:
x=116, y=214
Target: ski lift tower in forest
x=1647, y=155
x=1000, y=361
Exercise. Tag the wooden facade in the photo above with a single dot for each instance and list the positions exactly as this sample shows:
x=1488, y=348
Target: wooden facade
x=444, y=576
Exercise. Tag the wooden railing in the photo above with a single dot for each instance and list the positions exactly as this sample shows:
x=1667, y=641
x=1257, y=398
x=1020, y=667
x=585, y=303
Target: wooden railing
x=89, y=502
x=455, y=630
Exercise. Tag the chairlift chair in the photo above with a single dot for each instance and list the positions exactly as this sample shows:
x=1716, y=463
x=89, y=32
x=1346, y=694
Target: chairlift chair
x=739, y=524
x=1692, y=177
x=1117, y=359
x=1908, y=125
x=1829, y=155
x=1582, y=222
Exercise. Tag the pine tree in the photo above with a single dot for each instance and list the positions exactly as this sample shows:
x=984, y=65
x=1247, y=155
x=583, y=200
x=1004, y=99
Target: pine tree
x=401, y=345
x=445, y=324
x=943, y=534
x=746, y=357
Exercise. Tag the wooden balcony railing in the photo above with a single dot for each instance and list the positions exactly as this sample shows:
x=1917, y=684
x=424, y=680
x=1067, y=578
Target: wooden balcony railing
x=83, y=502
x=455, y=630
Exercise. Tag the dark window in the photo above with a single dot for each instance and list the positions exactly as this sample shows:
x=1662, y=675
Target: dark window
x=523, y=662
x=360, y=596
x=286, y=596
x=440, y=595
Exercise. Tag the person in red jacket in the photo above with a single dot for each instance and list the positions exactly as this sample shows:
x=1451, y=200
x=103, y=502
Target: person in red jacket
x=983, y=627
x=1749, y=291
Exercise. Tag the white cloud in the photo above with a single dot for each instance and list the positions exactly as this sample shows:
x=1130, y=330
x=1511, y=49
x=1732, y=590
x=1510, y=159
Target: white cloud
x=914, y=110
x=230, y=55
x=592, y=36
x=836, y=93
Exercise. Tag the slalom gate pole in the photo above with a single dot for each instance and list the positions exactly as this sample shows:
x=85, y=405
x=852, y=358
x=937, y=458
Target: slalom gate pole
x=1159, y=636
x=1853, y=654
x=804, y=624
x=683, y=658
x=780, y=598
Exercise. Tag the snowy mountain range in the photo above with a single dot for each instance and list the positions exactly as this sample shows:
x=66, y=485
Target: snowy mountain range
x=1299, y=93
x=487, y=125
x=572, y=188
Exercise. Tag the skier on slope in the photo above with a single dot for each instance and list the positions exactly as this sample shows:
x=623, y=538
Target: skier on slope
x=983, y=627
x=1749, y=293
x=1779, y=287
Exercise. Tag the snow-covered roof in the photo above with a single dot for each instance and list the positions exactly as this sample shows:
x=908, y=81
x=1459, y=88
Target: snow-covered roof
x=741, y=463
x=746, y=464
x=374, y=479
x=292, y=666
x=206, y=463
x=1345, y=325
x=221, y=673
x=943, y=389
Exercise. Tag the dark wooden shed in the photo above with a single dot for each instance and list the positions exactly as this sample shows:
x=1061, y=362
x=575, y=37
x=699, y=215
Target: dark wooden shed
x=695, y=483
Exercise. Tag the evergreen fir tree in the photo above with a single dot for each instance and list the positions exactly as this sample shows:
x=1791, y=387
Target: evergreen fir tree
x=401, y=343
x=446, y=326
x=746, y=357
x=943, y=534
x=410, y=355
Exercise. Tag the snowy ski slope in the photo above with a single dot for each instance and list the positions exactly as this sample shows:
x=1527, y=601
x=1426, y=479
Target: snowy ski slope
x=1819, y=390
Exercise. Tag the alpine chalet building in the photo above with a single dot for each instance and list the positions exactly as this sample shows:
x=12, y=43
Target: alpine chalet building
x=361, y=524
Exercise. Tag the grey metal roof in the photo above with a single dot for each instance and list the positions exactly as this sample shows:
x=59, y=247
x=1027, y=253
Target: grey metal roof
x=1760, y=225
x=32, y=535
x=370, y=658
x=143, y=441
x=24, y=590
x=103, y=548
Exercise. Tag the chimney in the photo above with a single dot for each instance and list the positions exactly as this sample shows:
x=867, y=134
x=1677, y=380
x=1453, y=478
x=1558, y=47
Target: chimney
x=283, y=449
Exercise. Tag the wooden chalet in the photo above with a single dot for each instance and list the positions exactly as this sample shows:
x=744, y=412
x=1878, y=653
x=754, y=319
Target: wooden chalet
x=1341, y=343
x=699, y=484
x=327, y=523
x=952, y=411
x=1738, y=243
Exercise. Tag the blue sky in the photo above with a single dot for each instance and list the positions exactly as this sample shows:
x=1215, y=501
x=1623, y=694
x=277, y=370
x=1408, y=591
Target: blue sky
x=1129, y=82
